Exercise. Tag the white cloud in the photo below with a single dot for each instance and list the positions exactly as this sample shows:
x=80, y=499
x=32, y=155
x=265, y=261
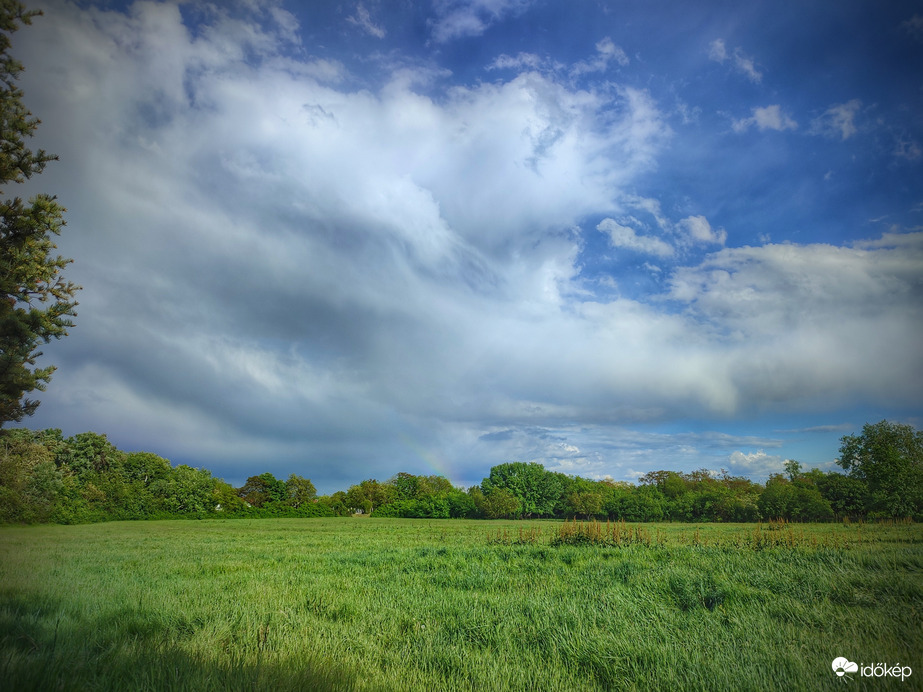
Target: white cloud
x=363, y=19
x=522, y=61
x=717, y=51
x=690, y=231
x=650, y=206
x=893, y=240
x=278, y=261
x=373, y=240
x=767, y=118
x=611, y=52
x=743, y=63
x=757, y=465
x=622, y=453
x=799, y=309
x=699, y=230
x=746, y=66
x=461, y=18
x=908, y=148
x=606, y=53
x=625, y=237
x=838, y=120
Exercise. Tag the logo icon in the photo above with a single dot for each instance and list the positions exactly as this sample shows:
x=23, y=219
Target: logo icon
x=841, y=666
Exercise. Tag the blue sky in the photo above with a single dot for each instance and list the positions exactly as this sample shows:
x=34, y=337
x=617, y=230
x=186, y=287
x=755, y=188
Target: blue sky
x=350, y=239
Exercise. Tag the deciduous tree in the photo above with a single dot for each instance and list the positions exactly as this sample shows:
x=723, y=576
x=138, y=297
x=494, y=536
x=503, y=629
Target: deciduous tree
x=500, y=503
x=889, y=458
x=368, y=495
x=538, y=490
x=299, y=491
x=261, y=490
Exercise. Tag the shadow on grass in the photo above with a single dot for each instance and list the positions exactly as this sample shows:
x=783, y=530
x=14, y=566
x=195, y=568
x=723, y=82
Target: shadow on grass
x=44, y=648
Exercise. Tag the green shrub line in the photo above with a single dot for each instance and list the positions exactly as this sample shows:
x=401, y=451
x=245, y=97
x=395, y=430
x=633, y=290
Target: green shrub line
x=47, y=478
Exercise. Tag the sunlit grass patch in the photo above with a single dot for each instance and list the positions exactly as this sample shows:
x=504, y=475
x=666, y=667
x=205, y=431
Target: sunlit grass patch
x=424, y=604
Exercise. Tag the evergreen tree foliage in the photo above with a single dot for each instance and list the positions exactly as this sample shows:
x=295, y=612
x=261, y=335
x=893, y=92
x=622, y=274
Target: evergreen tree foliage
x=36, y=302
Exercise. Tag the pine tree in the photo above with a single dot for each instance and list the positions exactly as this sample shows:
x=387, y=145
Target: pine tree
x=36, y=302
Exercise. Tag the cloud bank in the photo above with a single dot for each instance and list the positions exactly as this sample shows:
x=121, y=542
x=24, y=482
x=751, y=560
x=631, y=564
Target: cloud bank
x=284, y=262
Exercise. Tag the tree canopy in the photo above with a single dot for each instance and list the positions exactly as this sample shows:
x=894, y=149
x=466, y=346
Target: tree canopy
x=536, y=489
x=47, y=477
x=36, y=302
x=888, y=457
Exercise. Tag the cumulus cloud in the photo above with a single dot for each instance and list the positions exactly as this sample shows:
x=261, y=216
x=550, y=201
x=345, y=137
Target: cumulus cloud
x=649, y=206
x=767, y=118
x=838, y=120
x=625, y=237
x=797, y=309
x=336, y=251
x=549, y=447
x=625, y=454
x=698, y=230
x=279, y=265
x=757, y=465
x=685, y=233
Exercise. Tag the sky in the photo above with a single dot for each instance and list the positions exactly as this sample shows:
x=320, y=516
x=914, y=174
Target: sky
x=348, y=239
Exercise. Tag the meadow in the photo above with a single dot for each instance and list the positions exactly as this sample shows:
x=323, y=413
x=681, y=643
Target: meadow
x=396, y=604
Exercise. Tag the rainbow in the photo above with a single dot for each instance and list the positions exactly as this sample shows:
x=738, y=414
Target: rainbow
x=437, y=464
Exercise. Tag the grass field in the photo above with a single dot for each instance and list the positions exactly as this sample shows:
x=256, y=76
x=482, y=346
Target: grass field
x=395, y=604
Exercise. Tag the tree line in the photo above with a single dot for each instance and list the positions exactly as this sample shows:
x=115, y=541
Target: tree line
x=45, y=477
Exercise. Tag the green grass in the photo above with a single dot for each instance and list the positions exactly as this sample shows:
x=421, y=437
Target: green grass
x=443, y=605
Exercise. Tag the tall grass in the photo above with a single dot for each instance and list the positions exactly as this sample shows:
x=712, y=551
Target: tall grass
x=431, y=605
x=776, y=534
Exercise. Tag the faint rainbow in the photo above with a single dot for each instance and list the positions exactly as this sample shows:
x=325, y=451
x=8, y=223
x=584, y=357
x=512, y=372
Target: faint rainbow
x=433, y=461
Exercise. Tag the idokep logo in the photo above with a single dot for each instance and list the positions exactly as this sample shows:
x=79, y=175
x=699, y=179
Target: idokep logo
x=842, y=667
